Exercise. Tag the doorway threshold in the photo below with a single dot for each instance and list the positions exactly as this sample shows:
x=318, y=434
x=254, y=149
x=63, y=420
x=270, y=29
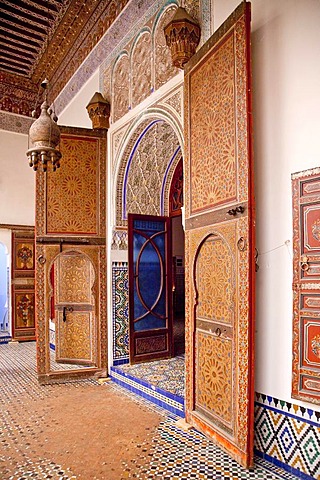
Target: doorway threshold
x=161, y=382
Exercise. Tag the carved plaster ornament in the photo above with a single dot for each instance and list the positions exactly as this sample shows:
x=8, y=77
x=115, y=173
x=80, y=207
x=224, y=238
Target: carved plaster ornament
x=99, y=111
x=182, y=37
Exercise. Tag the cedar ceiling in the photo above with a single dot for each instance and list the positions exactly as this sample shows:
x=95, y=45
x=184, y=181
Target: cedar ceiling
x=42, y=38
x=25, y=28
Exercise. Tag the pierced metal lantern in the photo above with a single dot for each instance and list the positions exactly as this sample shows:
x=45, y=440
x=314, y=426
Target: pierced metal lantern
x=44, y=137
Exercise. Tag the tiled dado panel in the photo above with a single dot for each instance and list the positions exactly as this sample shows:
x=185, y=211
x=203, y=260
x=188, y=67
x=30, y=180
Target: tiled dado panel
x=288, y=436
x=120, y=309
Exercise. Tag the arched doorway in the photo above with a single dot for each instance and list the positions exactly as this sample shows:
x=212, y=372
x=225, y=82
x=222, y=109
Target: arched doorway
x=148, y=157
x=156, y=279
x=73, y=324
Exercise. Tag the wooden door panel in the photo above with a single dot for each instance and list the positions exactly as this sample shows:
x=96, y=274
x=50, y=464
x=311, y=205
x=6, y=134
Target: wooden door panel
x=306, y=286
x=74, y=306
x=74, y=338
x=220, y=238
x=150, y=316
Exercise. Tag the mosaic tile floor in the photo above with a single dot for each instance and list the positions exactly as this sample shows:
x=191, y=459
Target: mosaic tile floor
x=174, y=454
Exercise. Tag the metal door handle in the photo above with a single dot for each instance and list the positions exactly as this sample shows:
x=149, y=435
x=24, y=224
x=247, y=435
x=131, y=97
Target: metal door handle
x=233, y=211
x=304, y=263
x=64, y=314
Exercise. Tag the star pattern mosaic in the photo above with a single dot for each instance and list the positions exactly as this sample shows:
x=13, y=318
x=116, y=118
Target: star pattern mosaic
x=165, y=374
x=120, y=319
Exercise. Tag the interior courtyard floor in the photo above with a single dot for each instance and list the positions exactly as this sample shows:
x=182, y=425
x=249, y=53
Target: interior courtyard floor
x=84, y=430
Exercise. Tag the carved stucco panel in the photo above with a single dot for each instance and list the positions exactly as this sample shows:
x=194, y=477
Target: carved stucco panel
x=162, y=56
x=193, y=8
x=141, y=69
x=107, y=87
x=120, y=87
x=174, y=102
x=147, y=169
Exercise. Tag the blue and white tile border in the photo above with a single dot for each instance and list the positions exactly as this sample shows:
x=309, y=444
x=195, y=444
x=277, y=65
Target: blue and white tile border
x=168, y=401
x=288, y=436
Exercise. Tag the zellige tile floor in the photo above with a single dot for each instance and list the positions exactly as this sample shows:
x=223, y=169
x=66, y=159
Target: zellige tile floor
x=174, y=453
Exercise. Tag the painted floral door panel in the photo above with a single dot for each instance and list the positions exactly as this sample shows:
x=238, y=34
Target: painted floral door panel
x=74, y=309
x=149, y=287
x=22, y=281
x=220, y=238
x=306, y=286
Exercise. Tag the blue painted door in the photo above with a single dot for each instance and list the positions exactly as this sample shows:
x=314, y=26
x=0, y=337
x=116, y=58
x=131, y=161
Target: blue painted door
x=150, y=290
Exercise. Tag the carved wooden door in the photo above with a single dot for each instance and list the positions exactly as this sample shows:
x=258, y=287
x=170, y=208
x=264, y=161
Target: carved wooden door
x=220, y=239
x=74, y=309
x=22, y=281
x=149, y=287
x=71, y=249
x=306, y=286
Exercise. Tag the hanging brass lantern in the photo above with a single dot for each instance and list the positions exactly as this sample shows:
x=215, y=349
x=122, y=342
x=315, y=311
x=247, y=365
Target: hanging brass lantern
x=44, y=137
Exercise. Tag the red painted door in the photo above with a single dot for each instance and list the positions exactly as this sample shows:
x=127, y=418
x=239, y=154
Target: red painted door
x=149, y=287
x=220, y=238
x=306, y=286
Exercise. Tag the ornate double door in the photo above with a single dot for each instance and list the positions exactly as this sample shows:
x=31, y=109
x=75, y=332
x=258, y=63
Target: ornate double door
x=220, y=265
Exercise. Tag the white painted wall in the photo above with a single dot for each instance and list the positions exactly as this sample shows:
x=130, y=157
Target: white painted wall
x=286, y=110
x=17, y=181
x=75, y=114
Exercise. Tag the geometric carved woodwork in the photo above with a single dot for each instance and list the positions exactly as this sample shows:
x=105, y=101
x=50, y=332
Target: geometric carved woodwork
x=219, y=241
x=217, y=124
x=73, y=192
x=71, y=201
x=306, y=286
x=23, y=294
x=74, y=279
